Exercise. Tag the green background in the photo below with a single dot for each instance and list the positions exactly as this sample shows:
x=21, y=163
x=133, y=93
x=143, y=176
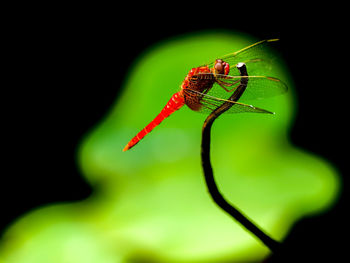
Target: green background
x=151, y=203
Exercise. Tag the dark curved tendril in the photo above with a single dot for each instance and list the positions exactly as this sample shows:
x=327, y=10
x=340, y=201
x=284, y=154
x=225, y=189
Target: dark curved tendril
x=272, y=244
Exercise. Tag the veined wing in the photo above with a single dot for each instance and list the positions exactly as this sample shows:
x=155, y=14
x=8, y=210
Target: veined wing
x=257, y=57
x=209, y=103
x=259, y=87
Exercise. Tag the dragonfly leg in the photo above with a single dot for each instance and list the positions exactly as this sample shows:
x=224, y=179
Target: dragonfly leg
x=223, y=84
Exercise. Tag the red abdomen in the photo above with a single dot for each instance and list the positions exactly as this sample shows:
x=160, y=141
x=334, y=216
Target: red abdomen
x=175, y=103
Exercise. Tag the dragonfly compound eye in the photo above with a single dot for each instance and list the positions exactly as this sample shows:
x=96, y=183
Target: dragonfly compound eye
x=219, y=66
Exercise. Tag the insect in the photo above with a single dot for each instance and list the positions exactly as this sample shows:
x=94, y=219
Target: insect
x=207, y=87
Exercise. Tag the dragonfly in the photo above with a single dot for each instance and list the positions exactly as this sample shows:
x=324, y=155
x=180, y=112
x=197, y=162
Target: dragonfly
x=209, y=86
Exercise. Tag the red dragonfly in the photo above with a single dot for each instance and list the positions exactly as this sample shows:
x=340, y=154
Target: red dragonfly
x=207, y=87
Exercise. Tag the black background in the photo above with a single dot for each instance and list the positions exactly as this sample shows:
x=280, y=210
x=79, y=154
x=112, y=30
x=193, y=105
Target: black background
x=63, y=66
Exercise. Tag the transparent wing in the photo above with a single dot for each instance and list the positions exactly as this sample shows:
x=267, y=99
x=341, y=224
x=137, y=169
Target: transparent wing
x=259, y=87
x=258, y=58
x=208, y=103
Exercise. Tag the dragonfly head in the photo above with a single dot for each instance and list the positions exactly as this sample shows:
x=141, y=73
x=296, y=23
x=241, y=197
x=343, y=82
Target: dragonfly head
x=221, y=67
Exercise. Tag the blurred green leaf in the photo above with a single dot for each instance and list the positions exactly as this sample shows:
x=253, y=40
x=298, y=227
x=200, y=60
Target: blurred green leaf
x=152, y=203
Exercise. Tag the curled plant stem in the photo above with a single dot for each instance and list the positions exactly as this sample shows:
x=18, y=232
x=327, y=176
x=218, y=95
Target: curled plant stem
x=272, y=244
